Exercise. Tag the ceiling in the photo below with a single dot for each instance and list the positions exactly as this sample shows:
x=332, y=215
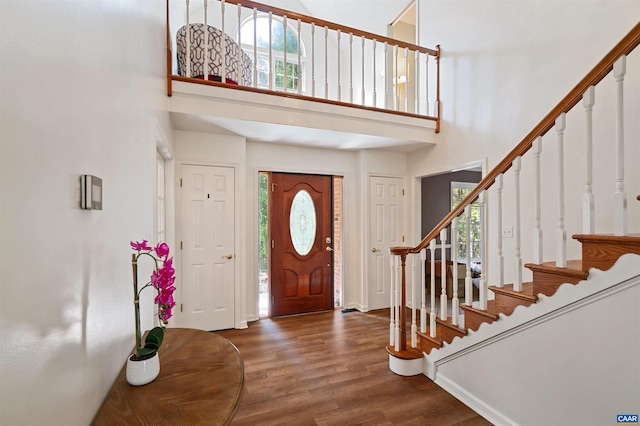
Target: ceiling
x=256, y=131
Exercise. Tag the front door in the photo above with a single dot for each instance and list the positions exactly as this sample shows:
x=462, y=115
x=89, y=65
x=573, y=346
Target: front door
x=386, y=215
x=208, y=250
x=301, y=243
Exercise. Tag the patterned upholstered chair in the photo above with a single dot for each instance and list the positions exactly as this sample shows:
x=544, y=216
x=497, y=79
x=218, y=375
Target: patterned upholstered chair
x=197, y=48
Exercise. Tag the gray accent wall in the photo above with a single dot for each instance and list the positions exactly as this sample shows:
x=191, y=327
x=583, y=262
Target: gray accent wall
x=436, y=197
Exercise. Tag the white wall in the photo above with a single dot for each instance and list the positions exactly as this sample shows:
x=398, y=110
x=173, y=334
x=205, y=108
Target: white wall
x=504, y=66
x=81, y=83
x=569, y=368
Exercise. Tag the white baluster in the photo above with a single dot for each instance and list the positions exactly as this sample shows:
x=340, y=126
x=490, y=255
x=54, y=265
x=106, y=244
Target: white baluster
x=339, y=73
x=313, y=60
x=406, y=79
x=561, y=234
x=414, y=327
x=443, y=275
x=423, y=288
x=223, y=46
x=205, y=71
x=270, y=52
x=351, y=67
x=537, y=230
x=483, y=251
x=188, y=43
x=375, y=100
x=455, y=303
x=426, y=85
x=239, y=63
x=255, y=48
x=392, y=290
x=396, y=102
x=387, y=72
x=416, y=60
x=326, y=62
x=299, y=71
x=517, y=284
x=285, y=77
x=432, y=314
x=396, y=266
x=362, y=53
x=468, y=282
x=500, y=278
x=620, y=197
x=588, y=211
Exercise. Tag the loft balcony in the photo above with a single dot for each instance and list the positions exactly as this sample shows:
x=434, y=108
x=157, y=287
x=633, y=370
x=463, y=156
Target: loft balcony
x=316, y=84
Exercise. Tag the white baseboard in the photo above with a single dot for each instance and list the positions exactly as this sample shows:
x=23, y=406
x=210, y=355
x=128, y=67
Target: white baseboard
x=475, y=403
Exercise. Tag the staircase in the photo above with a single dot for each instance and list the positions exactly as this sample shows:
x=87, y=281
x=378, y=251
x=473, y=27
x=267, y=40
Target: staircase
x=599, y=251
x=499, y=353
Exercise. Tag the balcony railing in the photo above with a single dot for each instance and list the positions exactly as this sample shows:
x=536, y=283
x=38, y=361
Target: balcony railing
x=312, y=59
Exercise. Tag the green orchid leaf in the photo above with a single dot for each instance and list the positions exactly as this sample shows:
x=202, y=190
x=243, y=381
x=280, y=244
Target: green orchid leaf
x=156, y=335
x=152, y=345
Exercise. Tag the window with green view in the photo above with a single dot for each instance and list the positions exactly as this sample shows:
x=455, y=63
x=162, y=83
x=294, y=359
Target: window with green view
x=459, y=190
x=277, y=63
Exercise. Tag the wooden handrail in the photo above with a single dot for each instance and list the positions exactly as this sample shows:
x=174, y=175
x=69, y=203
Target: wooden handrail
x=604, y=67
x=322, y=23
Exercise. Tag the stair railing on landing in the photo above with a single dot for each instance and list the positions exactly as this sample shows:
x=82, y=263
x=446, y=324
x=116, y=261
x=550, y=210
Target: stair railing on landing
x=556, y=119
x=325, y=62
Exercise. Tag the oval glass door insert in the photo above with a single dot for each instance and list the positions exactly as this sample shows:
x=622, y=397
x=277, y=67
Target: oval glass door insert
x=302, y=222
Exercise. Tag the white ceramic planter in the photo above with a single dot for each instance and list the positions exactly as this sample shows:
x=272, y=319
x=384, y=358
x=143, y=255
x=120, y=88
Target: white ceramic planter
x=142, y=372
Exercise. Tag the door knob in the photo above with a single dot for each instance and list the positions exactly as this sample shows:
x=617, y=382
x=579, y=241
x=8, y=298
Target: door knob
x=374, y=250
x=329, y=248
x=228, y=256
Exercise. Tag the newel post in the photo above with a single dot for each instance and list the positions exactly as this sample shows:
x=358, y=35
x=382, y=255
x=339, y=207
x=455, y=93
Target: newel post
x=401, y=344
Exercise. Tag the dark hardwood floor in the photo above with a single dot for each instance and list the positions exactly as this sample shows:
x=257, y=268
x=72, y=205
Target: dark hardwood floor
x=331, y=368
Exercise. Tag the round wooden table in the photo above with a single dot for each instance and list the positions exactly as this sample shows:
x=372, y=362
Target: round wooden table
x=201, y=381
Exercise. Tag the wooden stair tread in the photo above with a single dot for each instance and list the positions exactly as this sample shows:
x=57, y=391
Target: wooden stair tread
x=632, y=238
x=409, y=353
x=489, y=313
x=573, y=269
x=525, y=294
x=449, y=324
x=436, y=341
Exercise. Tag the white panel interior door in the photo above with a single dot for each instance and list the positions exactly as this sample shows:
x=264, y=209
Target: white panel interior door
x=386, y=207
x=208, y=252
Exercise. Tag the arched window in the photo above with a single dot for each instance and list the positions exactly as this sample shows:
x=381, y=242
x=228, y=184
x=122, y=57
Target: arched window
x=293, y=71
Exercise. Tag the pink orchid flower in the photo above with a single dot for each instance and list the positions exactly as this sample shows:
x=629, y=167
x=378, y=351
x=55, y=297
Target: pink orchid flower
x=138, y=246
x=162, y=250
